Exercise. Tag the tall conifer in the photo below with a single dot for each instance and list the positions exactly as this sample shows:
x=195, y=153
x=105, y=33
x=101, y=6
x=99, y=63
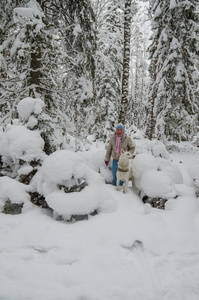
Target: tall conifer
x=174, y=105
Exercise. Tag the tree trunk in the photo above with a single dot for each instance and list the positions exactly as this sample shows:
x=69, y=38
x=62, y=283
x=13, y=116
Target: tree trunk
x=35, y=73
x=126, y=61
x=153, y=99
x=136, y=89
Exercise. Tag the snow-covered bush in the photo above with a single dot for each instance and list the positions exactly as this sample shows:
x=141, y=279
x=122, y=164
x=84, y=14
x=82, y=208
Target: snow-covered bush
x=141, y=164
x=193, y=171
x=21, y=150
x=13, y=196
x=29, y=109
x=154, y=147
x=68, y=183
x=62, y=181
x=155, y=175
x=71, y=186
x=156, y=184
x=52, y=126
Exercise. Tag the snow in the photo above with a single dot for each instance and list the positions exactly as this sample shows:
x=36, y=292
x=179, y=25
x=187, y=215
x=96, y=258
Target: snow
x=173, y=4
x=129, y=250
x=32, y=122
x=26, y=169
x=66, y=168
x=14, y=191
x=29, y=106
x=32, y=14
x=157, y=184
x=20, y=143
x=142, y=163
x=77, y=30
x=193, y=171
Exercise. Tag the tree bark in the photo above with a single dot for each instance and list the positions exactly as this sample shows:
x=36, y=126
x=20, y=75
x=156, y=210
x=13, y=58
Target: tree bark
x=126, y=61
x=35, y=73
x=153, y=99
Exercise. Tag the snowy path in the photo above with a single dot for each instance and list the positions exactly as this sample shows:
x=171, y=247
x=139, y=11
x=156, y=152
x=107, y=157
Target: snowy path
x=41, y=258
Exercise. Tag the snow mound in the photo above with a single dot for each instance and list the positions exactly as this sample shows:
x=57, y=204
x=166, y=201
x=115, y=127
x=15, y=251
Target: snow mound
x=13, y=191
x=18, y=142
x=154, y=174
x=159, y=150
x=106, y=174
x=77, y=203
x=89, y=200
x=193, y=171
x=157, y=184
x=142, y=163
x=154, y=147
x=170, y=169
x=24, y=170
x=62, y=166
x=65, y=169
x=197, y=183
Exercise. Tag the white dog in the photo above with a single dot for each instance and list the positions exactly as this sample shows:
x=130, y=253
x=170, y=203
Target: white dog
x=124, y=170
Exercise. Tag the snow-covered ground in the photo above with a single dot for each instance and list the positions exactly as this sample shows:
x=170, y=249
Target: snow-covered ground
x=128, y=251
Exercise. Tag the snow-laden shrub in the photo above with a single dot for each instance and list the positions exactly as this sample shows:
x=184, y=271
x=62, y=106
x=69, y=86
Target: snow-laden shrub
x=170, y=169
x=155, y=175
x=13, y=193
x=193, y=171
x=19, y=148
x=159, y=150
x=28, y=108
x=51, y=125
x=157, y=184
x=154, y=147
x=71, y=186
x=142, y=163
x=20, y=143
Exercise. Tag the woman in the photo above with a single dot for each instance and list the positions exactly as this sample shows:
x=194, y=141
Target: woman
x=118, y=141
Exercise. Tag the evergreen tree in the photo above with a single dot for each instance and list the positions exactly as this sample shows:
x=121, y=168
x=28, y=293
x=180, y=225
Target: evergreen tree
x=139, y=77
x=109, y=16
x=7, y=82
x=26, y=55
x=77, y=44
x=174, y=111
x=29, y=58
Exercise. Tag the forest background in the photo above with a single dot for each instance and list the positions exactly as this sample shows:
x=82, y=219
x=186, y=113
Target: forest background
x=70, y=70
x=95, y=63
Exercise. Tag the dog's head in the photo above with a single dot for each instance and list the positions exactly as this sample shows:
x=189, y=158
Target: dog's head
x=126, y=154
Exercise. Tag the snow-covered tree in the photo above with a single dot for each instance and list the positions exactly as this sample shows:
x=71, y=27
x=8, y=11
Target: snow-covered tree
x=174, y=105
x=76, y=39
x=126, y=60
x=29, y=58
x=109, y=28
x=24, y=54
x=139, y=76
x=8, y=93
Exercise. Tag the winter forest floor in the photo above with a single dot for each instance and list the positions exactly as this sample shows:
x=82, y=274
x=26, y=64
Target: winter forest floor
x=134, y=252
